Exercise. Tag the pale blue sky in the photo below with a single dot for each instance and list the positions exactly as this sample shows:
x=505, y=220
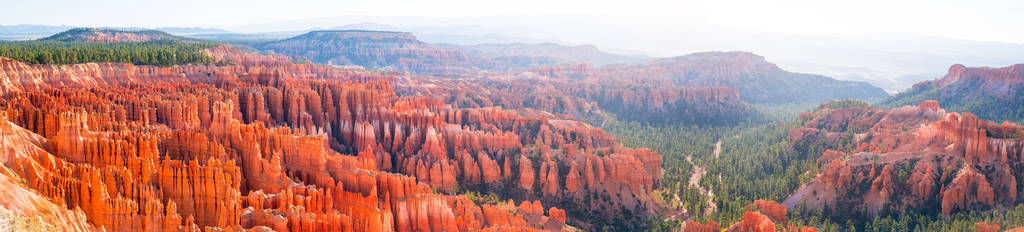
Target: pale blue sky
x=986, y=20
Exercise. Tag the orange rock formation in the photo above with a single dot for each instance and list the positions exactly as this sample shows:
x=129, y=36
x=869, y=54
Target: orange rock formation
x=267, y=144
x=764, y=216
x=913, y=157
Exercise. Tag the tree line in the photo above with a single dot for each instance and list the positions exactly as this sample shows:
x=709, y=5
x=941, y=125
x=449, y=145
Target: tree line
x=157, y=52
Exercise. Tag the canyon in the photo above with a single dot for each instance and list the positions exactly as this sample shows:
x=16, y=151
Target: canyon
x=759, y=216
x=265, y=143
x=579, y=90
x=912, y=159
x=377, y=131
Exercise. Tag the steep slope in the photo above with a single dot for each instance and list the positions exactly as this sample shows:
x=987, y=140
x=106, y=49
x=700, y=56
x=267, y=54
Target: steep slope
x=759, y=216
x=372, y=49
x=991, y=93
x=757, y=80
x=301, y=147
x=912, y=159
x=111, y=35
x=28, y=211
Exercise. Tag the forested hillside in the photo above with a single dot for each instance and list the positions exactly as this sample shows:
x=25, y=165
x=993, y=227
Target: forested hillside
x=990, y=93
x=771, y=161
x=158, y=52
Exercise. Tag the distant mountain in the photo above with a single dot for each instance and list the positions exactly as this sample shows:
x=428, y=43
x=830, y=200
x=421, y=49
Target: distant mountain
x=991, y=93
x=459, y=35
x=891, y=60
x=432, y=35
x=404, y=51
x=757, y=80
x=372, y=49
x=550, y=51
x=112, y=35
x=26, y=32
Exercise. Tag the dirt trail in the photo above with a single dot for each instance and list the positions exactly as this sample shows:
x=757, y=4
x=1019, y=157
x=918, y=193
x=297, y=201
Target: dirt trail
x=710, y=194
x=718, y=148
x=698, y=173
x=680, y=212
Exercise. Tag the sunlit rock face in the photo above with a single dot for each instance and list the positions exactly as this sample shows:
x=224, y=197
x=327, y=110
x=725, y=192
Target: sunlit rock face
x=760, y=216
x=913, y=158
x=267, y=144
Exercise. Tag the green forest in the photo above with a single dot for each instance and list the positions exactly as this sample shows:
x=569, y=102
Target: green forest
x=157, y=52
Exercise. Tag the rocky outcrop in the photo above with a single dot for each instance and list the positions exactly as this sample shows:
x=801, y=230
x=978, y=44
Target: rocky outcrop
x=709, y=226
x=771, y=209
x=755, y=222
x=17, y=147
x=985, y=227
x=763, y=216
x=913, y=158
x=991, y=93
x=1013, y=74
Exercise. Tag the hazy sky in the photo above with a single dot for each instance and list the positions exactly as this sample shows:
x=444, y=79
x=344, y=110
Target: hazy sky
x=985, y=20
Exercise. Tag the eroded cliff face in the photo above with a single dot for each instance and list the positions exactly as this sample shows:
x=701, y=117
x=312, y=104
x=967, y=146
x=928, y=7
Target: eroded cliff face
x=1009, y=75
x=990, y=93
x=702, y=88
x=581, y=89
x=20, y=201
x=760, y=216
x=267, y=144
x=913, y=158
